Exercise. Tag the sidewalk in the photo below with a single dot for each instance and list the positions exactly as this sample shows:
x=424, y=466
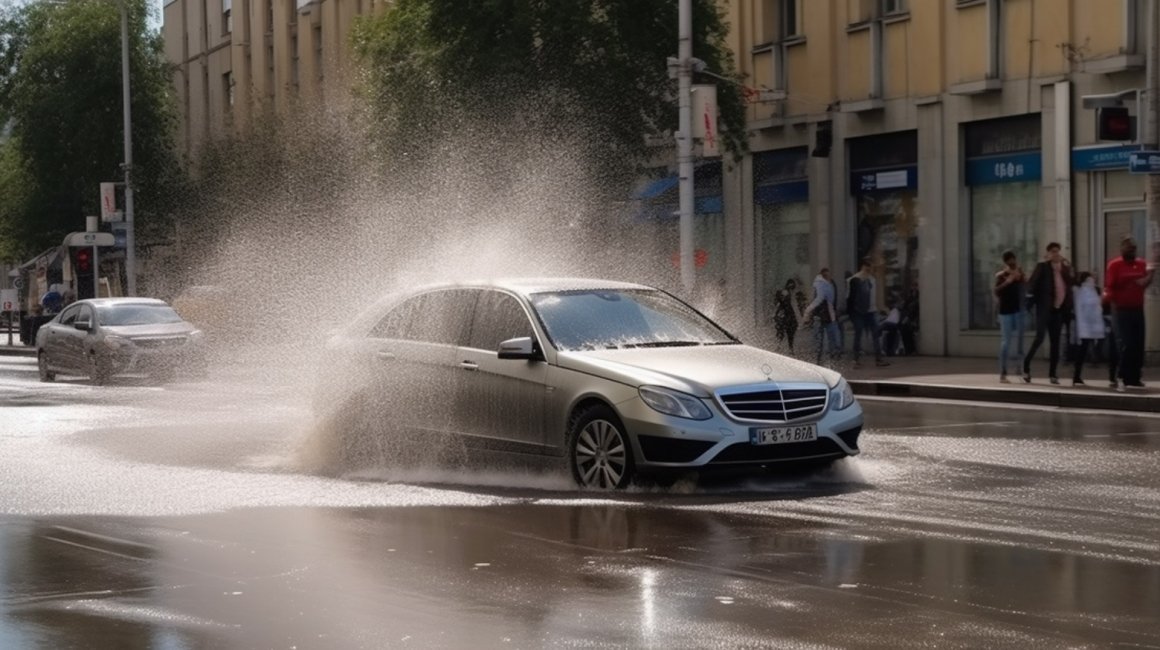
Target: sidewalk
x=978, y=380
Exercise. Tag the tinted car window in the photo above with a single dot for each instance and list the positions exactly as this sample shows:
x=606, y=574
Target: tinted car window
x=86, y=313
x=436, y=317
x=498, y=317
x=69, y=316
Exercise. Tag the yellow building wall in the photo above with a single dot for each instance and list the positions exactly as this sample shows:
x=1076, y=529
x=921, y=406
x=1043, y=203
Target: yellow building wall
x=1017, y=39
x=926, y=54
x=966, y=44
x=812, y=78
x=896, y=59
x=855, y=72
x=1053, y=21
x=1099, y=26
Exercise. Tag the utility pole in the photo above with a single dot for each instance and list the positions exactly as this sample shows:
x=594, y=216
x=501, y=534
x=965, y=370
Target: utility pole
x=685, y=138
x=1152, y=197
x=130, y=245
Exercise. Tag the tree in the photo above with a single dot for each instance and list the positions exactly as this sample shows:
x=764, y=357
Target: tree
x=591, y=74
x=60, y=95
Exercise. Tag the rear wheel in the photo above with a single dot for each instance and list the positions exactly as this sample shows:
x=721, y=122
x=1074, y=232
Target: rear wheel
x=600, y=454
x=46, y=375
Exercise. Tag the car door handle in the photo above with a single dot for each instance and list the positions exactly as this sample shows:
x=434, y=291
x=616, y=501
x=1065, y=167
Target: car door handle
x=469, y=365
x=384, y=355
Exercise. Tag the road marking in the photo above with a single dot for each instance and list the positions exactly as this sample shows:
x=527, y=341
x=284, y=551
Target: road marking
x=1001, y=423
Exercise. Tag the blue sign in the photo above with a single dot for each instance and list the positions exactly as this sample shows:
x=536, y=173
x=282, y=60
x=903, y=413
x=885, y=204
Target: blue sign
x=1144, y=162
x=1007, y=168
x=1090, y=159
x=793, y=192
x=905, y=178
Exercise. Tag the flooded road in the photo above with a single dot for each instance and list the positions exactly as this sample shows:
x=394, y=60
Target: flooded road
x=175, y=516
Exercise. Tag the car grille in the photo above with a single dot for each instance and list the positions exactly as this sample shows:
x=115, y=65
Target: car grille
x=744, y=452
x=160, y=343
x=776, y=405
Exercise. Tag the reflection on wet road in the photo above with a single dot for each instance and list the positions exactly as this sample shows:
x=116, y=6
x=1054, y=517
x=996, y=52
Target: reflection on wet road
x=174, y=517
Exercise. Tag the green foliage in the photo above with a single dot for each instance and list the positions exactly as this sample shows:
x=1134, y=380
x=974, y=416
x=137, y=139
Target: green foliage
x=60, y=95
x=501, y=68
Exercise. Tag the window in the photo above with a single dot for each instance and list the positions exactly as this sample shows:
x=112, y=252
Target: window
x=789, y=19
x=1004, y=216
x=227, y=17
x=69, y=316
x=437, y=317
x=891, y=7
x=498, y=317
x=228, y=89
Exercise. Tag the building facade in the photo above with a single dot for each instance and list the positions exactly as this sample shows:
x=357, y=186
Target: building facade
x=930, y=136
x=239, y=59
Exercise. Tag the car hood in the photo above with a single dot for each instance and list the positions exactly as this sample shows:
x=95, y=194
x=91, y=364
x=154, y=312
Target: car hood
x=139, y=331
x=697, y=370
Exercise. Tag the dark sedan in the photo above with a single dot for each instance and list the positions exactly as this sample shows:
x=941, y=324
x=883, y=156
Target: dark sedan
x=112, y=336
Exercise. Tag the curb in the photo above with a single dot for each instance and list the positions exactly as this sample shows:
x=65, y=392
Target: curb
x=1057, y=399
x=14, y=351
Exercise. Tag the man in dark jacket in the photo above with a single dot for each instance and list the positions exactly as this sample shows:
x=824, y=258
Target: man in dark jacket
x=861, y=304
x=1050, y=291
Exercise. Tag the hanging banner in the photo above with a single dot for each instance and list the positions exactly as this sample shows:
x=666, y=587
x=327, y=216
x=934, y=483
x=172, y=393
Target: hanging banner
x=705, y=119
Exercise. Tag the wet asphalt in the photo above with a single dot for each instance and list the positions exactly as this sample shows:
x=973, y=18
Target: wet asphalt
x=182, y=516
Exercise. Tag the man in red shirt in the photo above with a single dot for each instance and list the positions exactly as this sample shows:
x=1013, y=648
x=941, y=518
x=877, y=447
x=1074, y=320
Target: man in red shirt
x=1126, y=279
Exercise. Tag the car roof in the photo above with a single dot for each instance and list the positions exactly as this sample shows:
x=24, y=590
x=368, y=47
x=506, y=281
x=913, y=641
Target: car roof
x=113, y=302
x=528, y=286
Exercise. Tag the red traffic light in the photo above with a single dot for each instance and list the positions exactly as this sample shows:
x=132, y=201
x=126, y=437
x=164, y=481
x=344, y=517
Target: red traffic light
x=83, y=260
x=1115, y=124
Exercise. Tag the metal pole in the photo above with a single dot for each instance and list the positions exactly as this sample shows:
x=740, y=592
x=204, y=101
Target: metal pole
x=130, y=250
x=1152, y=121
x=685, y=139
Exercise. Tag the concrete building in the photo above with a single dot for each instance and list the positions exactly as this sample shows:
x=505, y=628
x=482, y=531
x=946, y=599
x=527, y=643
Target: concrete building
x=238, y=59
x=930, y=136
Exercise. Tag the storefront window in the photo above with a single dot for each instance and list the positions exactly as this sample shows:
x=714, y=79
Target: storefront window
x=785, y=249
x=888, y=237
x=1004, y=216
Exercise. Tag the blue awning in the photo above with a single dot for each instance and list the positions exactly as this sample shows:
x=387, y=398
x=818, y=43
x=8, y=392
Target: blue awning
x=657, y=188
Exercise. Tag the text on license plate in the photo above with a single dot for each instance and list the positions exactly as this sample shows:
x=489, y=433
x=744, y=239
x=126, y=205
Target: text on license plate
x=782, y=435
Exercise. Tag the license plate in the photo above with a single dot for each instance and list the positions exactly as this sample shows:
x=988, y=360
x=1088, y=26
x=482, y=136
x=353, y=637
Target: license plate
x=783, y=435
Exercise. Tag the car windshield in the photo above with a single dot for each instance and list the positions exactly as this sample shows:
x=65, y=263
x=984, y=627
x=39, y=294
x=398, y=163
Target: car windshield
x=139, y=314
x=612, y=319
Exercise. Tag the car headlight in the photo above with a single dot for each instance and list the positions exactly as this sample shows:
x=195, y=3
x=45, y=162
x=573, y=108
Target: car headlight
x=676, y=403
x=841, y=395
x=196, y=335
x=116, y=342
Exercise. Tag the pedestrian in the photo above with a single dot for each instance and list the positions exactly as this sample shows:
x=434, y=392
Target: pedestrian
x=861, y=305
x=1111, y=343
x=891, y=328
x=1050, y=292
x=824, y=308
x=1009, y=283
x=1089, y=321
x=1126, y=279
x=52, y=299
x=786, y=314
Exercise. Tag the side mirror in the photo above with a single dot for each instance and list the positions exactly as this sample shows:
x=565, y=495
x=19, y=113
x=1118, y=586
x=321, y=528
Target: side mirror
x=522, y=348
x=83, y=325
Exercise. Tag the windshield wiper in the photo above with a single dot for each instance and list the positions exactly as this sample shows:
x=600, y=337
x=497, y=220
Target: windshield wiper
x=663, y=344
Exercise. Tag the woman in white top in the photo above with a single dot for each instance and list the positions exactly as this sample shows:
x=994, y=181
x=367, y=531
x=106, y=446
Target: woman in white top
x=1089, y=320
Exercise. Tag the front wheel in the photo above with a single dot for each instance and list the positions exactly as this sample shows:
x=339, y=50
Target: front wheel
x=46, y=375
x=600, y=454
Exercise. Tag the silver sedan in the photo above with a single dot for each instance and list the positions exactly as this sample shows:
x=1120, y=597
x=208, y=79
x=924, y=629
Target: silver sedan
x=619, y=378
x=103, y=337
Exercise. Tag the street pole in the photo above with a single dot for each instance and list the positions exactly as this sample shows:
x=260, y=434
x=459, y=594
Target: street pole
x=130, y=245
x=1152, y=97
x=685, y=139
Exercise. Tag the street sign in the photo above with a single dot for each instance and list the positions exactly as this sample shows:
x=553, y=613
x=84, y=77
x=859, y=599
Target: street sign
x=1144, y=162
x=8, y=300
x=89, y=239
x=19, y=282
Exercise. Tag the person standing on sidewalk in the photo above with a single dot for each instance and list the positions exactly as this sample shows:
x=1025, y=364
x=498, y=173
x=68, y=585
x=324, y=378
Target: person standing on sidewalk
x=1089, y=321
x=825, y=307
x=862, y=306
x=785, y=313
x=1127, y=278
x=1009, y=291
x=1050, y=288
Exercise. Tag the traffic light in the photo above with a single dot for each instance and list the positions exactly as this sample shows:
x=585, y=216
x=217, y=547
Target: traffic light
x=82, y=260
x=1115, y=124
